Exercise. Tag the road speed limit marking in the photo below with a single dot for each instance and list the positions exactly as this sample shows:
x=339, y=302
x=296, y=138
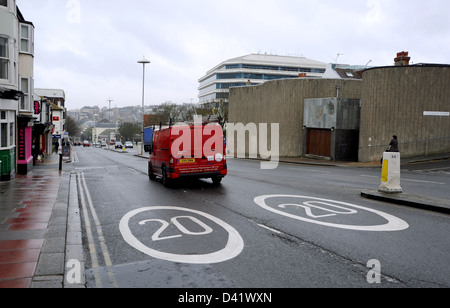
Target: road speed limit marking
x=329, y=209
x=232, y=249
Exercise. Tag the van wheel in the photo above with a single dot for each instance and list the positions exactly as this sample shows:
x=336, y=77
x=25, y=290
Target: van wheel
x=151, y=175
x=217, y=180
x=165, y=180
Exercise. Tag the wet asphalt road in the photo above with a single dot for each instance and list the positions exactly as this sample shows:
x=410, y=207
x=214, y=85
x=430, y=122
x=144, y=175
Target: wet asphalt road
x=296, y=226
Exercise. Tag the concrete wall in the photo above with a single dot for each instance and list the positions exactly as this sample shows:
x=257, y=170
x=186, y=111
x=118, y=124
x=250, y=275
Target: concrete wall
x=393, y=102
x=282, y=101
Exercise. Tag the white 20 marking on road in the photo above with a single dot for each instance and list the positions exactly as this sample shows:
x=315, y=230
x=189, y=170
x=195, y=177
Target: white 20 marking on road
x=340, y=208
x=233, y=248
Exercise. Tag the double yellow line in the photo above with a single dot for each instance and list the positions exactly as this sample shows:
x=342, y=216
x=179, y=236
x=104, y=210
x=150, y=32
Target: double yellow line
x=88, y=208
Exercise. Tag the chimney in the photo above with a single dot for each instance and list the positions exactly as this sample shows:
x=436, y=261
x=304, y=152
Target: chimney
x=402, y=59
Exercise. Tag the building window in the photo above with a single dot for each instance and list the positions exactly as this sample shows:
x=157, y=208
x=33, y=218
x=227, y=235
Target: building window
x=4, y=3
x=3, y=135
x=233, y=66
x=7, y=129
x=26, y=39
x=4, y=58
x=11, y=134
x=25, y=99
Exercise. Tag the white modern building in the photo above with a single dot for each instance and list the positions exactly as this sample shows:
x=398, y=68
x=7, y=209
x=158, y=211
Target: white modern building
x=254, y=69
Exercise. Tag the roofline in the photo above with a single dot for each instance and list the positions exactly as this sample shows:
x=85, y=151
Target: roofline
x=21, y=18
x=408, y=66
x=62, y=92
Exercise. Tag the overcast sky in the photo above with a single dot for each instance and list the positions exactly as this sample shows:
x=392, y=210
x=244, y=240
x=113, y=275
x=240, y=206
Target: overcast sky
x=90, y=48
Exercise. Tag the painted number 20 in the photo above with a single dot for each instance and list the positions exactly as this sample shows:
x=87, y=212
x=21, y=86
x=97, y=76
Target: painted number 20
x=175, y=220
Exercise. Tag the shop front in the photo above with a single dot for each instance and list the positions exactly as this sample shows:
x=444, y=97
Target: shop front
x=24, y=145
x=8, y=129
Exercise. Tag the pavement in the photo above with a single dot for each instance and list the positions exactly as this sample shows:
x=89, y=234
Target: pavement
x=40, y=223
x=40, y=229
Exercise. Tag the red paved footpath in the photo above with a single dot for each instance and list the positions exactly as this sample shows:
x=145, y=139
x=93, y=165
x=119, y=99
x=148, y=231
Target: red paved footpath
x=26, y=205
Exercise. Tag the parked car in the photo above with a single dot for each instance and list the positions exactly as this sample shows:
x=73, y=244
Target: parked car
x=119, y=145
x=104, y=145
x=129, y=145
x=86, y=143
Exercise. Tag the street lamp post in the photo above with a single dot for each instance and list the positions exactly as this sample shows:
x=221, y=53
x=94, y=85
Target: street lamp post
x=143, y=62
x=109, y=134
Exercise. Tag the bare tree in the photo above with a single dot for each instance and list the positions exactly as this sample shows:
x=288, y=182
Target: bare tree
x=129, y=130
x=72, y=127
x=168, y=111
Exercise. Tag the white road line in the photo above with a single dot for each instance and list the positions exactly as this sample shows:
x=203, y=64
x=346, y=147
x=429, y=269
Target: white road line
x=101, y=239
x=310, y=170
x=270, y=229
x=408, y=180
x=435, y=170
x=75, y=157
x=429, y=182
x=92, y=250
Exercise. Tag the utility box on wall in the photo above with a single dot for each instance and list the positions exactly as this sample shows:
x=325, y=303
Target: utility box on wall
x=331, y=128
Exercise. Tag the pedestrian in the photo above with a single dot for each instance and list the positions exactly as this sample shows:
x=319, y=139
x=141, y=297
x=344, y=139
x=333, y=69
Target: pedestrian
x=35, y=151
x=394, y=144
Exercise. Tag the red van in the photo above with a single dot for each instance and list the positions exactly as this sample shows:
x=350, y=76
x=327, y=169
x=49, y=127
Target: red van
x=188, y=150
